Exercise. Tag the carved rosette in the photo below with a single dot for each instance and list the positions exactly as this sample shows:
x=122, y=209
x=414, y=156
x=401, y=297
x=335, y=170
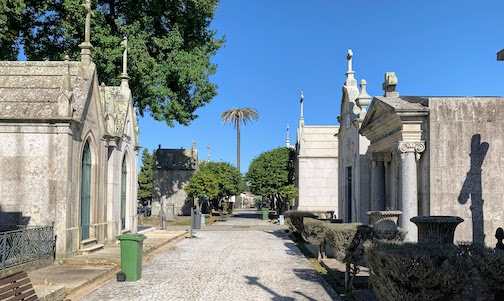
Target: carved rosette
x=410, y=147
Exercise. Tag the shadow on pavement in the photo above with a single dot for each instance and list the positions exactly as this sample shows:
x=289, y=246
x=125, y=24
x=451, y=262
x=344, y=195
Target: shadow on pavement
x=251, y=215
x=276, y=297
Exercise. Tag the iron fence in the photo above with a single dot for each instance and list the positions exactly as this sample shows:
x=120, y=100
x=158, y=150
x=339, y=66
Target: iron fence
x=25, y=245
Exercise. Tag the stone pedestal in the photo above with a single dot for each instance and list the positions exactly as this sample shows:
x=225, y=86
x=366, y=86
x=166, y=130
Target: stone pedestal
x=384, y=223
x=436, y=229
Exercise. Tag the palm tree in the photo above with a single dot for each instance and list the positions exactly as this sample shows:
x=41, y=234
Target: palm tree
x=237, y=116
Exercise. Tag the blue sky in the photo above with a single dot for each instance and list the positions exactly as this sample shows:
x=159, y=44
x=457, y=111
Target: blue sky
x=277, y=48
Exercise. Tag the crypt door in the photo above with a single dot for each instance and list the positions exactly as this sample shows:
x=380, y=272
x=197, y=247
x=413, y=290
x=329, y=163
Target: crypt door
x=124, y=174
x=85, y=192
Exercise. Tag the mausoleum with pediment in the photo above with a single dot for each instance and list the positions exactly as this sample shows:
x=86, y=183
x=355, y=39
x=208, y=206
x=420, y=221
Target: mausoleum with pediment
x=438, y=156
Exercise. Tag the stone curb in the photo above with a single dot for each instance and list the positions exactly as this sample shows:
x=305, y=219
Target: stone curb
x=61, y=293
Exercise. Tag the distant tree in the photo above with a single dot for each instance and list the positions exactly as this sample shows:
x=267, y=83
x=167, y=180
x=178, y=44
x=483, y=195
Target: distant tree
x=271, y=175
x=237, y=117
x=229, y=178
x=170, y=46
x=145, y=177
x=203, y=183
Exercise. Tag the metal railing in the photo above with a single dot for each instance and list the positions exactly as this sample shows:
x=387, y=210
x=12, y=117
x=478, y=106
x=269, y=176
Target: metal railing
x=25, y=245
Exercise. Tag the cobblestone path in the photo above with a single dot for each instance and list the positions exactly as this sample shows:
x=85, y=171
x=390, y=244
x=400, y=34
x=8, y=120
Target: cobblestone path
x=225, y=265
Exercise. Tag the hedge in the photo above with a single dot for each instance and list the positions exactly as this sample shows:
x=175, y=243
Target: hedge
x=417, y=272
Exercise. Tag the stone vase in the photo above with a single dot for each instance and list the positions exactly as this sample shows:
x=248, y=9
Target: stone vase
x=436, y=229
x=384, y=223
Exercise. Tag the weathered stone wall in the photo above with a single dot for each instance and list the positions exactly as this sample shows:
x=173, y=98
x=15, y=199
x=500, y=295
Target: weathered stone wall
x=466, y=164
x=317, y=169
x=33, y=173
x=318, y=191
x=169, y=189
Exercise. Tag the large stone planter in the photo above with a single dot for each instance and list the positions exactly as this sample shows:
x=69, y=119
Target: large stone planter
x=384, y=223
x=436, y=229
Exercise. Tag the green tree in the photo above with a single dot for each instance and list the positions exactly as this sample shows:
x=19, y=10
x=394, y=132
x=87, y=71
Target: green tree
x=271, y=175
x=11, y=15
x=228, y=177
x=170, y=46
x=202, y=184
x=236, y=117
x=145, y=177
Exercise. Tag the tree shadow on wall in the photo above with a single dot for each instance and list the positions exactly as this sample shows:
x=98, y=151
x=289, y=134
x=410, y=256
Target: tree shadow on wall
x=472, y=188
x=172, y=169
x=10, y=221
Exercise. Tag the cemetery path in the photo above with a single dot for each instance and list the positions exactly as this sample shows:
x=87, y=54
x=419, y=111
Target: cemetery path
x=251, y=260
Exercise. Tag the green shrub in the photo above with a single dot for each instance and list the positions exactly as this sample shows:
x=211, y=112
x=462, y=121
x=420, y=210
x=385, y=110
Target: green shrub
x=490, y=265
x=314, y=233
x=416, y=272
x=295, y=220
x=339, y=237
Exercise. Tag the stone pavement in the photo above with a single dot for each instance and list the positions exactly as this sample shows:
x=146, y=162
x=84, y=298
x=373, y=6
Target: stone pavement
x=250, y=260
x=55, y=282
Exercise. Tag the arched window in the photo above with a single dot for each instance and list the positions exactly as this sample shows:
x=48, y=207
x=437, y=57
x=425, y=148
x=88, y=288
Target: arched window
x=124, y=174
x=85, y=191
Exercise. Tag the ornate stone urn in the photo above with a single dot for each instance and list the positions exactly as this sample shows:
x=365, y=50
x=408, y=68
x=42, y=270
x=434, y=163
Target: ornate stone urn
x=436, y=229
x=384, y=223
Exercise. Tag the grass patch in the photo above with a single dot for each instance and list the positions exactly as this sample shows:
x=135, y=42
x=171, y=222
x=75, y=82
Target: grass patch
x=324, y=273
x=154, y=221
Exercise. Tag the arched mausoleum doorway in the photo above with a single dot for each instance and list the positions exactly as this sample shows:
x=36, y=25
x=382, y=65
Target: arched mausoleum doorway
x=124, y=177
x=85, y=208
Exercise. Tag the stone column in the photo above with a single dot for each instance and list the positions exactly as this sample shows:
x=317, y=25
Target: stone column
x=410, y=153
x=378, y=199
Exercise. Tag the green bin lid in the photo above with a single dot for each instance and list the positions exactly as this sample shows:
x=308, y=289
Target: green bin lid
x=136, y=237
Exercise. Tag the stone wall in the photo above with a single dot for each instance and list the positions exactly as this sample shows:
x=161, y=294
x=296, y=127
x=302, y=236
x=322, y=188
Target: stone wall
x=466, y=137
x=171, y=172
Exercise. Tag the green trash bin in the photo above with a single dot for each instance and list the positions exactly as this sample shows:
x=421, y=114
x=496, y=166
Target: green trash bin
x=131, y=256
x=265, y=212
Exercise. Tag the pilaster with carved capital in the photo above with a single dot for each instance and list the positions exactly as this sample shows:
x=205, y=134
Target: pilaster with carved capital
x=404, y=147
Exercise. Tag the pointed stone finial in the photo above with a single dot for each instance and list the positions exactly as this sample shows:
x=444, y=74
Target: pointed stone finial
x=208, y=154
x=301, y=102
x=389, y=85
x=65, y=97
x=363, y=100
x=66, y=58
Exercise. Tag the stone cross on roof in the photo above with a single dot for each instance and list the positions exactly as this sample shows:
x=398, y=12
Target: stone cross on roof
x=86, y=47
x=124, y=43
x=389, y=85
x=349, y=58
x=301, y=101
x=89, y=13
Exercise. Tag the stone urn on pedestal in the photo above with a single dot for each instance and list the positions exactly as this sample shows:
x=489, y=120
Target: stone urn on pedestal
x=436, y=229
x=384, y=223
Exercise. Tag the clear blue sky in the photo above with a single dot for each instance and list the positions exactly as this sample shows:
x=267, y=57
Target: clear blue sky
x=277, y=48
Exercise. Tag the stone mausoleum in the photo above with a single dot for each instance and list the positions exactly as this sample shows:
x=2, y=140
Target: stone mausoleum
x=172, y=169
x=316, y=166
x=68, y=151
x=437, y=156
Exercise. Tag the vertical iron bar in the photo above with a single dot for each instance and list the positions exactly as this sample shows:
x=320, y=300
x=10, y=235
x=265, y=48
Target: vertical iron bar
x=4, y=249
x=39, y=244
